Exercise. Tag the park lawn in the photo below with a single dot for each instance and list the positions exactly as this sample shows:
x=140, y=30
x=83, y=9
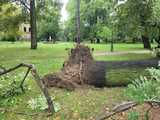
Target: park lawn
x=81, y=103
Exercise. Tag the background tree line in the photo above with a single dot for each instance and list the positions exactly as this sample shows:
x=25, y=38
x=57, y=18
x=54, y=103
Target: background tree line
x=101, y=20
x=122, y=20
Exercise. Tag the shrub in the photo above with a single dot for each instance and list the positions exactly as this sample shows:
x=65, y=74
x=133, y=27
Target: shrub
x=9, y=85
x=157, y=52
x=8, y=38
x=145, y=88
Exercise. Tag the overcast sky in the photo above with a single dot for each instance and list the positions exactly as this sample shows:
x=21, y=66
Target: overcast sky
x=63, y=11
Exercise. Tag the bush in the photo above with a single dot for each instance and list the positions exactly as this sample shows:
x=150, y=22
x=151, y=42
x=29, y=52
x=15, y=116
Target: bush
x=8, y=38
x=9, y=85
x=157, y=52
x=145, y=88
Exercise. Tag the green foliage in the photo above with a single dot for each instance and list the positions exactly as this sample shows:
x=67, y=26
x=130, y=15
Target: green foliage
x=157, y=52
x=156, y=10
x=11, y=17
x=133, y=115
x=2, y=116
x=94, y=19
x=145, y=88
x=8, y=38
x=48, y=19
x=128, y=19
x=105, y=33
x=8, y=86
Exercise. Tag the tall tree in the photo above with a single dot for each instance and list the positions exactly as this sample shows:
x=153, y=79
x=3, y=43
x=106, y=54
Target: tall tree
x=11, y=17
x=156, y=19
x=48, y=17
x=137, y=13
x=33, y=25
x=94, y=15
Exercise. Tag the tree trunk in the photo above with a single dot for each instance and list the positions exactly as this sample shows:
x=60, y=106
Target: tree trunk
x=158, y=42
x=78, y=22
x=33, y=25
x=146, y=42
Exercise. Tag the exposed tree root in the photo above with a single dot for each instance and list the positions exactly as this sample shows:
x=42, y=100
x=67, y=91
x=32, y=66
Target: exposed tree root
x=79, y=69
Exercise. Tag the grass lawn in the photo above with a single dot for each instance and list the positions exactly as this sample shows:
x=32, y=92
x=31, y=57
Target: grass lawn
x=82, y=103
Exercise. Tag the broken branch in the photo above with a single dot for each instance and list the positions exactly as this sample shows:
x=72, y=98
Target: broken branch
x=38, y=81
x=21, y=84
x=117, y=109
x=124, y=107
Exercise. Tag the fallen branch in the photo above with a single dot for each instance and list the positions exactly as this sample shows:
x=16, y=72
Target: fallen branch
x=124, y=107
x=21, y=84
x=38, y=81
x=117, y=109
x=43, y=89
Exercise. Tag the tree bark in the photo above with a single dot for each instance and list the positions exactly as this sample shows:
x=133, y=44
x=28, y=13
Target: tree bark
x=158, y=42
x=78, y=21
x=146, y=42
x=33, y=25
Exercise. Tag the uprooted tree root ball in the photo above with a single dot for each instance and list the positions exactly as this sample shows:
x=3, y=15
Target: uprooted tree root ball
x=79, y=69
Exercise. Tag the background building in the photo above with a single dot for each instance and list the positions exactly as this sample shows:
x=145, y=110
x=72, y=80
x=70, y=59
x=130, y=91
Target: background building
x=25, y=29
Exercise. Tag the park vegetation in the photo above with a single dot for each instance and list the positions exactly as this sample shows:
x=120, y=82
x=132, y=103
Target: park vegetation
x=101, y=63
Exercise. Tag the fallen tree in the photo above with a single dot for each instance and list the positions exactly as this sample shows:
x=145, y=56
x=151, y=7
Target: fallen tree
x=37, y=78
x=81, y=68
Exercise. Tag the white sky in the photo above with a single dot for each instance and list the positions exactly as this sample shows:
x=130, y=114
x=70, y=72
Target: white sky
x=64, y=11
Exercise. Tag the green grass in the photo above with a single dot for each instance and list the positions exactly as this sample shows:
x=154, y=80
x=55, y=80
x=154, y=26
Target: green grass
x=82, y=103
x=125, y=57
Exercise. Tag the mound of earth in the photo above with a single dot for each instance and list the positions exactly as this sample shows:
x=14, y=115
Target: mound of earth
x=79, y=69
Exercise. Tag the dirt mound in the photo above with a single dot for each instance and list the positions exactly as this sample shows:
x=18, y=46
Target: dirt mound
x=79, y=69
